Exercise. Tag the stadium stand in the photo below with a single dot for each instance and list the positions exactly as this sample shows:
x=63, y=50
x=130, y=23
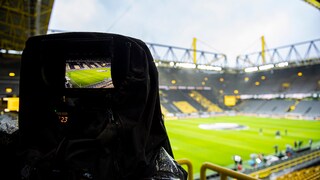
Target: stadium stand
x=166, y=104
x=303, y=174
x=307, y=108
x=185, y=107
x=206, y=103
x=182, y=77
x=274, y=107
x=9, y=75
x=250, y=106
x=192, y=101
x=172, y=99
x=274, y=81
x=286, y=166
x=276, y=92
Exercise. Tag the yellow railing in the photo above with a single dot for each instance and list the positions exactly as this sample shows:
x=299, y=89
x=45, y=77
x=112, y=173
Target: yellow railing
x=287, y=164
x=224, y=172
x=189, y=166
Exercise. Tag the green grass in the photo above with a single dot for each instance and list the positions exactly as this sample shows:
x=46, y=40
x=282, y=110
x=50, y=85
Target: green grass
x=218, y=146
x=87, y=77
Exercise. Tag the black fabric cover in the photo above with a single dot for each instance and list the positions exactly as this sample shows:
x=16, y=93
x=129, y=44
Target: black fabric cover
x=134, y=103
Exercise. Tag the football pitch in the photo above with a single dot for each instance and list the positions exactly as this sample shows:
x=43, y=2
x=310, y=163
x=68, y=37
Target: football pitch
x=198, y=145
x=86, y=77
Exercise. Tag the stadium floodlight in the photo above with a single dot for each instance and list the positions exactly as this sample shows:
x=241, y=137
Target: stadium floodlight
x=282, y=64
x=186, y=65
x=14, y=52
x=246, y=96
x=251, y=69
x=266, y=67
x=206, y=67
x=3, y=51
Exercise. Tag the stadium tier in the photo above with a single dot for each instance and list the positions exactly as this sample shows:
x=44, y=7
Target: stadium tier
x=290, y=91
x=303, y=79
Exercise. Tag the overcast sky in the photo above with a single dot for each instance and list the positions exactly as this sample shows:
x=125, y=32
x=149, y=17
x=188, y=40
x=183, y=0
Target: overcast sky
x=232, y=27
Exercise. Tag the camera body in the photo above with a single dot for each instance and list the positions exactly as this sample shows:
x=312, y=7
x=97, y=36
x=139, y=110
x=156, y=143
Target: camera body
x=66, y=88
x=89, y=104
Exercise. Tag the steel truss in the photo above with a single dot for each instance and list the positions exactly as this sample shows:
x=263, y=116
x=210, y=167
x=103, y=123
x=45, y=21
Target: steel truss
x=21, y=19
x=303, y=53
x=167, y=54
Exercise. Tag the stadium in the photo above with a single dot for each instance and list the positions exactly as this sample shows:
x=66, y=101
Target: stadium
x=258, y=119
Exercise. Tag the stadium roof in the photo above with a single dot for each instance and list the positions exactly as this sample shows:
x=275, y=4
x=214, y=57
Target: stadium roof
x=22, y=19
x=315, y=3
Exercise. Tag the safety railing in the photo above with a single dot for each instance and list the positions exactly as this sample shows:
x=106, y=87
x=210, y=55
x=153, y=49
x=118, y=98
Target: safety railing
x=189, y=166
x=224, y=172
x=287, y=164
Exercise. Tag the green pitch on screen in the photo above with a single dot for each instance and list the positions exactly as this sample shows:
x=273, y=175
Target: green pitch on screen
x=218, y=146
x=87, y=77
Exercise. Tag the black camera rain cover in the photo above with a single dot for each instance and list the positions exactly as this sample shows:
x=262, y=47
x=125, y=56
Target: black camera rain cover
x=133, y=96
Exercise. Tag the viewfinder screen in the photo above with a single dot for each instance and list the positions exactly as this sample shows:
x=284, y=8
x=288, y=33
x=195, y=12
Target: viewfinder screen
x=90, y=73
